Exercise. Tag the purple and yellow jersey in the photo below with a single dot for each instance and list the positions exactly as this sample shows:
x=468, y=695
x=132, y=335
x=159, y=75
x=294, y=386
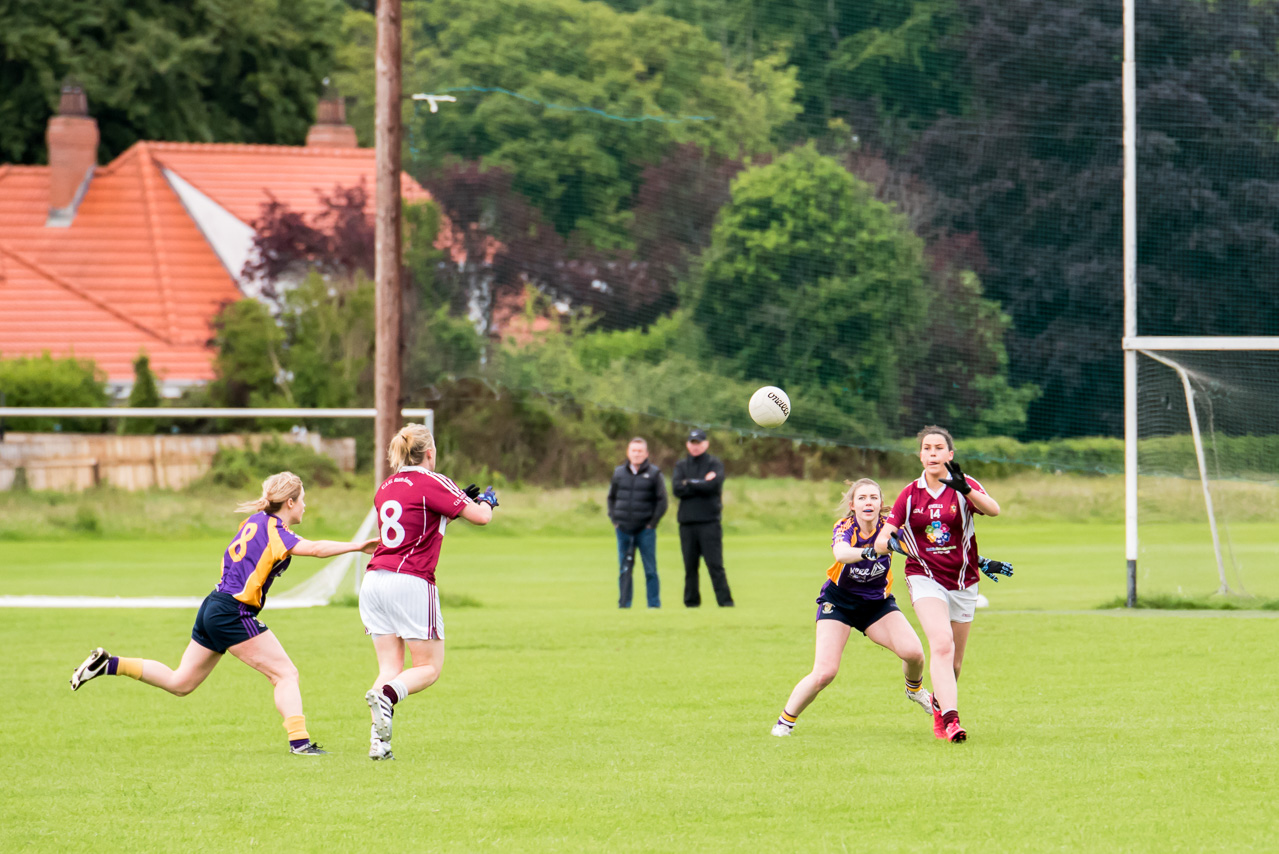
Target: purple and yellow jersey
x=865, y=579
x=259, y=552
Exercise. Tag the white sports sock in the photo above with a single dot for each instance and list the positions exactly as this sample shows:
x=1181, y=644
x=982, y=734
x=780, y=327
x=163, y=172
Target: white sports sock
x=399, y=688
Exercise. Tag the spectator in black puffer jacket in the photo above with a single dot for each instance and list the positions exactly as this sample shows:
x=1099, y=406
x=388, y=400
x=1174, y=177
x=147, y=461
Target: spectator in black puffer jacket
x=636, y=503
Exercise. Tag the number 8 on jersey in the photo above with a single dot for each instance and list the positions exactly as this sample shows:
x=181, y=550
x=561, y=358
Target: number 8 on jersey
x=392, y=531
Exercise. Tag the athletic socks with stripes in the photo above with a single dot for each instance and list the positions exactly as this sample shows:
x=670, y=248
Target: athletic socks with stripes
x=787, y=720
x=395, y=691
x=914, y=685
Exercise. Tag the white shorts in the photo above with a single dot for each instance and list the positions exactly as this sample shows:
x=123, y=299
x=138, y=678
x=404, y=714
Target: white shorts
x=962, y=603
x=393, y=603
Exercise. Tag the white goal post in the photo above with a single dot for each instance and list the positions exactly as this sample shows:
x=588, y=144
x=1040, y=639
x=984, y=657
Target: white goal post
x=315, y=591
x=1154, y=347
x=1135, y=345
x=428, y=415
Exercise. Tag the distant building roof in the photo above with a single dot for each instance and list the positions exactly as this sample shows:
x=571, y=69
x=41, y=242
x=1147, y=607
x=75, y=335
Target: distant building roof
x=154, y=247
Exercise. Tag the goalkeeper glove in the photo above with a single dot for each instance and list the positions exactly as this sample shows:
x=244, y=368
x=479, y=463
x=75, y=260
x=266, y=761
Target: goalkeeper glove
x=488, y=497
x=472, y=492
x=994, y=568
x=957, y=481
x=869, y=553
x=895, y=544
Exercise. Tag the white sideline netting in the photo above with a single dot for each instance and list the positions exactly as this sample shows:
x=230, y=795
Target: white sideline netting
x=316, y=591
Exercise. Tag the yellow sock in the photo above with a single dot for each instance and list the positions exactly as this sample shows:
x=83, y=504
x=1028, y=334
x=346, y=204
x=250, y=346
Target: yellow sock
x=131, y=667
x=296, y=727
x=789, y=718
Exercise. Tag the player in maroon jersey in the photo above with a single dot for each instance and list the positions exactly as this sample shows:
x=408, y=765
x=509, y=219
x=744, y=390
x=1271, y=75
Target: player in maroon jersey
x=857, y=595
x=935, y=517
x=399, y=604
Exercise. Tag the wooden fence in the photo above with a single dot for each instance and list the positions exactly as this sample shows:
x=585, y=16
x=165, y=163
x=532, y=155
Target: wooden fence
x=75, y=461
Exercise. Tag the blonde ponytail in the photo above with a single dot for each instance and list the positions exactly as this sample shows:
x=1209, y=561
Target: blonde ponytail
x=409, y=446
x=276, y=489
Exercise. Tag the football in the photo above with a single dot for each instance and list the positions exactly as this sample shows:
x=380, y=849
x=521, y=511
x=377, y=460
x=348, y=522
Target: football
x=769, y=406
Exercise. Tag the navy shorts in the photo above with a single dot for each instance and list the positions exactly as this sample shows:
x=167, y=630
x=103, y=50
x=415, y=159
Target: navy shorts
x=223, y=621
x=861, y=614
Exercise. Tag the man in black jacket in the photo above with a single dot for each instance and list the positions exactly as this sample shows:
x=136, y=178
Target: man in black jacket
x=636, y=503
x=698, y=482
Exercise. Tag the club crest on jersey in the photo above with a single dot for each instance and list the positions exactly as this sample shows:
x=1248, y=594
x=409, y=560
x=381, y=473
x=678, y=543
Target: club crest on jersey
x=937, y=533
x=827, y=607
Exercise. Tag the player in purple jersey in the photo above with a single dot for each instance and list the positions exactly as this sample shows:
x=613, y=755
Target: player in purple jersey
x=228, y=618
x=933, y=518
x=399, y=604
x=857, y=595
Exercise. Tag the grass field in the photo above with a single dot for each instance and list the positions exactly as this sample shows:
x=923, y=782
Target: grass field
x=562, y=724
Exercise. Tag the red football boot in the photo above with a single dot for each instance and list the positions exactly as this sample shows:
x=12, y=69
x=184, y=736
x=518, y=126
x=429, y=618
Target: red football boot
x=955, y=733
x=939, y=726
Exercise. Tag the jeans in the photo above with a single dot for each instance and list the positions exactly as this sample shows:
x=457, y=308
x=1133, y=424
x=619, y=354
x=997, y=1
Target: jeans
x=646, y=541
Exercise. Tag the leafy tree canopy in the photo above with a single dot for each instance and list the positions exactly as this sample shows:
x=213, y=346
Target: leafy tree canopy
x=45, y=381
x=205, y=70
x=579, y=167
x=884, y=66
x=810, y=280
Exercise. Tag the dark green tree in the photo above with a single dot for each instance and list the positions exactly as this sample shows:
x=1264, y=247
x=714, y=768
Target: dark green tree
x=811, y=282
x=199, y=71
x=145, y=393
x=1036, y=171
x=248, y=364
x=886, y=68
x=578, y=166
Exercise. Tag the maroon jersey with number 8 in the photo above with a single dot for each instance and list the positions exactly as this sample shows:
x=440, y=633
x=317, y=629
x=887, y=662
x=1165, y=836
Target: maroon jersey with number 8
x=413, y=508
x=939, y=529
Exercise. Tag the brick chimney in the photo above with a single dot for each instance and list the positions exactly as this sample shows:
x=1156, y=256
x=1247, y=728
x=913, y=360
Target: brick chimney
x=72, y=137
x=330, y=129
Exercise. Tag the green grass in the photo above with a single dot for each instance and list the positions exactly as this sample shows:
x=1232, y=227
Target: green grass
x=562, y=724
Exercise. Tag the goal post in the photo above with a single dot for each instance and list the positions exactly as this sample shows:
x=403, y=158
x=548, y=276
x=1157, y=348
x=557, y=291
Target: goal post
x=316, y=590
x=1218, y=393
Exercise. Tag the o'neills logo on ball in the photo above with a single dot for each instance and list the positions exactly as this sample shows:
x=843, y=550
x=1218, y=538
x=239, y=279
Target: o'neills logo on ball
x=781, y=404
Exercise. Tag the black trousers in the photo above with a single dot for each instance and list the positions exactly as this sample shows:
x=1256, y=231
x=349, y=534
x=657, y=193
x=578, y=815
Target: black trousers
x=704, y=540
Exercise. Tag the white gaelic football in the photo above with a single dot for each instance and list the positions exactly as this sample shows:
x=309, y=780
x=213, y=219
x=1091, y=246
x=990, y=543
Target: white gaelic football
x=770, y=407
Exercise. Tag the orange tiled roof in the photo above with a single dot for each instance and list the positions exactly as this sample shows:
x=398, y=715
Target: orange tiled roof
x=134, y=271
x=239, y=177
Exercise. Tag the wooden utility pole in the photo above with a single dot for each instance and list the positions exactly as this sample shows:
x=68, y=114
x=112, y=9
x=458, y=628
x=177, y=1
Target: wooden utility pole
x=387, y=133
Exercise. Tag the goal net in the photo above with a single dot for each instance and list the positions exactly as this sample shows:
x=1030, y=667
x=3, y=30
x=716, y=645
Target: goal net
x=1208, y=472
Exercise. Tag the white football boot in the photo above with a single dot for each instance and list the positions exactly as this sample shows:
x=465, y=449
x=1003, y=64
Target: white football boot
x=378, y=749
x=781, y=730
x=922, y=697
x=382, y=711
x=91, y=668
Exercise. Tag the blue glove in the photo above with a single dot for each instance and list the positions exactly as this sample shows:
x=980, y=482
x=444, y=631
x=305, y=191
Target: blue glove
x=994, y=568
x=869, y=553
x=488, y=497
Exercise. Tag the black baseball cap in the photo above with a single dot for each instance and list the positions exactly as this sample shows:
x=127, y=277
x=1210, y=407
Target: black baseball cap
x=697, y=435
